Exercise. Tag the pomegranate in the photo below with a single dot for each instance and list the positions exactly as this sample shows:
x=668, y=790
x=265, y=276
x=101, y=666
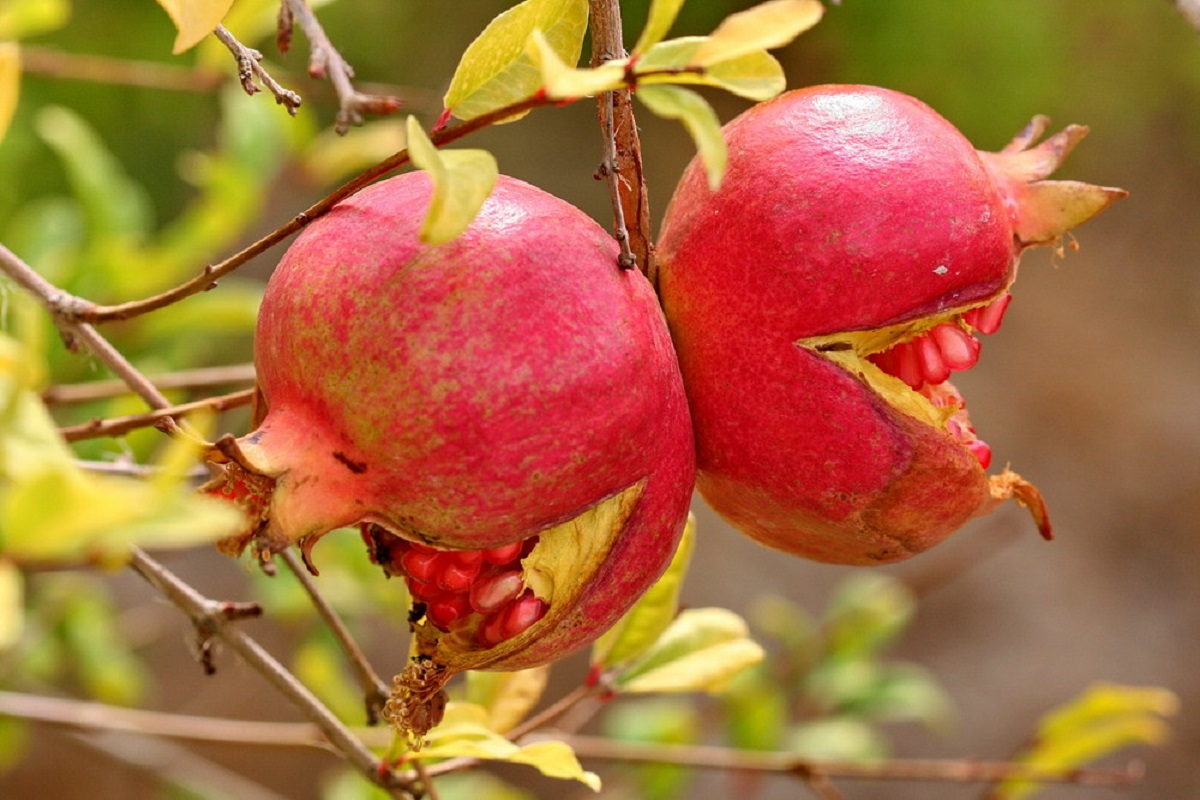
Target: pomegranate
x=823, y=295
x=502, y=415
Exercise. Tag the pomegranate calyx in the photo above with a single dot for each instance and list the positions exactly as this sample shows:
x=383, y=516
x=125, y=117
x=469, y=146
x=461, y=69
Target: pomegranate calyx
x=1008, y=485
x=1042, y=211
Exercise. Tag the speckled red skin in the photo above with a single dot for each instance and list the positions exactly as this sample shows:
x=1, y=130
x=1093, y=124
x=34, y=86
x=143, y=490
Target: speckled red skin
x=474, y=393
x=844, y=208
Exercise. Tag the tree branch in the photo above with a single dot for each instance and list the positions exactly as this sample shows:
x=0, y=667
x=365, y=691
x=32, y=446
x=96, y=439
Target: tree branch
x=200, y=378
x=122, y=425
x=249, y=64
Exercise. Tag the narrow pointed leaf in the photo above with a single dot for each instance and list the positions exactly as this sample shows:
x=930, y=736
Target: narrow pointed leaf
x=194, y=19
x=698, y=118
x=763, y=27
x=561, y=81
x=701, y=650
x=658, y=22
x=10, y=83
x=462, y=181
x=645, y=622
x=496, y=70
x=755, y=76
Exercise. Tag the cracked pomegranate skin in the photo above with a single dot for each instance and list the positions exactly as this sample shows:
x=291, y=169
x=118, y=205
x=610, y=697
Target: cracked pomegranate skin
x=844, y=209
x=475, y=393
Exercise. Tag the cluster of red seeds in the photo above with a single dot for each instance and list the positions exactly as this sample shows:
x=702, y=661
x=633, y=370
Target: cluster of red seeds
x=481, y=590
x=925, y=364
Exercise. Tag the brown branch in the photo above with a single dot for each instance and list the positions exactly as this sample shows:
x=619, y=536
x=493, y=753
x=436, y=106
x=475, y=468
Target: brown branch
x=118, y=426
x=955, y=771
x=200, y=378
x=622, y=161
x=53, y=63
x=326, y=61
x=249, y=64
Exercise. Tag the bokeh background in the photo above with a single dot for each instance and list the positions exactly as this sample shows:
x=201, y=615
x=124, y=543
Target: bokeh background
x=1091, y=391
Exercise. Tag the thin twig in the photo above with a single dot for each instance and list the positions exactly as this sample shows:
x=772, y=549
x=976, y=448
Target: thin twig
x=210, y=620
x=53, y=63
x=200, y=378
x=375, y=690
x=326, y=61
x=621, y=142
x=118, y=426
x=949, y=770
x=249, y=64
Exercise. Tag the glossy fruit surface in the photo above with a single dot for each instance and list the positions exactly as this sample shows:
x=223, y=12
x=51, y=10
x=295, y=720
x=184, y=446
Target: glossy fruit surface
x=823, y=295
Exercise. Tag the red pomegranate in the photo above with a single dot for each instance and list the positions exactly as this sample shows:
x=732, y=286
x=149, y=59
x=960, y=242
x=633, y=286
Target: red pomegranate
x=822, y=296
x=502, y=415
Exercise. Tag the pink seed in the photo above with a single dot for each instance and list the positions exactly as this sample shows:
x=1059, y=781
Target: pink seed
x=981, y=450
x=959, y=349
x=421, y=564
x=491, y=632
x=491, y=593
x=420, y=590
x=987, y=319
x=467, y=558
x=454, y=577
x=503, y=555
x=521, y=614
x=929, y=356
x=447, y=609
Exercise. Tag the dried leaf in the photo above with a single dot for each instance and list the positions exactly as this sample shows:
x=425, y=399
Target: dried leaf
x=496, y=70
x=194, y=19
x=462, y=181
x=763, y=27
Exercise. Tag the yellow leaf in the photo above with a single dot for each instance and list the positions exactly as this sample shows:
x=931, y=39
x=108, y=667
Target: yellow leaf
x=23, y=18
x=496, y=70
x=755, y=76
x=765, y=26
x=464, y=733
x=660, y=19
x=10, y=83
x=698, y=118
x=12, y=605
x=651, y=615
x=507, y=696
x=701, y=651
x=462, y=181
x=562, y=82
x=194, y=19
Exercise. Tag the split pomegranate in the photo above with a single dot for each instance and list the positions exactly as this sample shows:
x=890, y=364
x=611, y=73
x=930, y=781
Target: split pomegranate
x=822, y=297
x=502, y=415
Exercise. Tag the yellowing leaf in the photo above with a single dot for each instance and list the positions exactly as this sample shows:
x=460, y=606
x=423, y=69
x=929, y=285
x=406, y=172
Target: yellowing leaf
x=22, y=18
x=464, y=733
x=660, y=19
x=462, y=181
x=701, y=651
x=10, y=83
x=194, y=19
x=765, y=26
x=563, y=82
x=507, y=696
x=1102, y=720
x=755, y=76
x=698, y=118
x=645, y=622
x=496, y=70
x=12, y=606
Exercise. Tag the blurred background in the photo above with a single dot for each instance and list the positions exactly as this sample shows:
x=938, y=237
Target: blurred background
x=1091, y=391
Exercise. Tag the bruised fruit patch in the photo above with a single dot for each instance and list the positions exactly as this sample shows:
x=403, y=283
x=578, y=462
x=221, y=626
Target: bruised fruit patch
x=502, y=416
x=821, y=299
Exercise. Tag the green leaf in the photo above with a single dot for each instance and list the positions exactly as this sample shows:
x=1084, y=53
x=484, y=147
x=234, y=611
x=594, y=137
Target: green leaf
x=635, y=632
x=496, y=70
x=868, y=612
x=838, y=738
x=756, y=711
x=507, y=696
x=462, y=181
x=1101, y=721
x=560, y=81
x=755, y=76
x=12, y=608
x=10, y=83
x=464, y=732
x=194, y=19
x=698, y=118
x=660, y=19
x=701, y=650
x=763, y=27
x=22, y=18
